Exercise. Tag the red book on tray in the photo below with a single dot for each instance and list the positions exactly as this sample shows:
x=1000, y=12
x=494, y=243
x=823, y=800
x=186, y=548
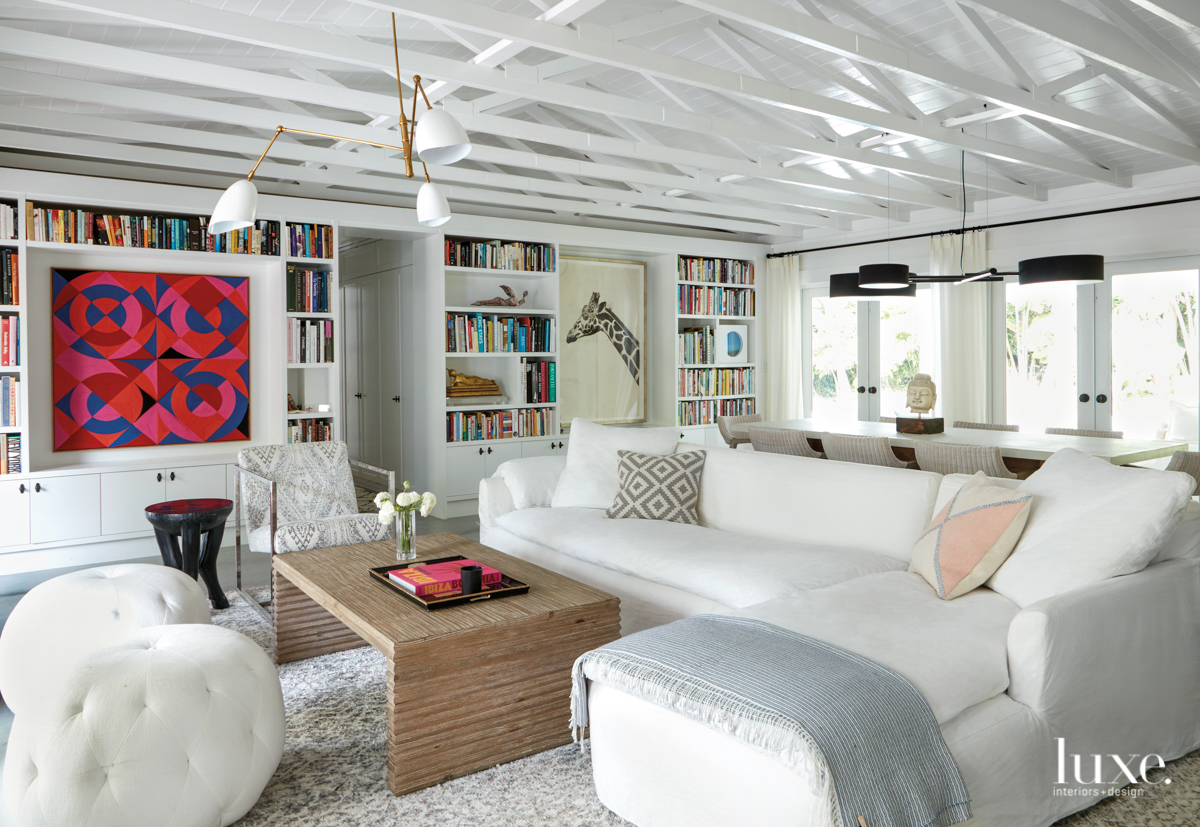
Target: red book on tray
x=439, y=578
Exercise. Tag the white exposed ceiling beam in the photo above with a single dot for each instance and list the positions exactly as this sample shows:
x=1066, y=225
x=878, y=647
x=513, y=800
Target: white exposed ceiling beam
x=1064, y=83
x=1182, y=13
x=655, y=22
x=816, y=189
x=1065, y=138
x=1125, y=18
x=595, y=42
x=240, y=27
x=1144, y=100
x=787, y=23
x=982, y=34
x=1088, y=35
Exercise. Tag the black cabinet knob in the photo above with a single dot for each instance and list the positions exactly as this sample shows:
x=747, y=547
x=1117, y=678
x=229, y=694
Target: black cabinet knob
x=358, y=396
x=489, y=450
x=1101, y=398
x=21, y=488
x=37, y=487
x=871, y=390
x=172, y=476
x=395, y=399
x=160, y=477
x=1083, y=397
x=862, y=389
x=480, y=452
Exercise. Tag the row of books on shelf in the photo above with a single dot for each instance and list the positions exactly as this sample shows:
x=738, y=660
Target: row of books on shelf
x=310, y=341
x=8, y=221
x=717, y=270
x=307, y=290
x=10, y=402
x=539, y=383
x=485, y=333
x=10, y=341
x=310, y=240
x=716, y=381
x=715, y=301
x=501, y=255
x=10, y=456
x=10, y=281
x=697, y=346
x=473, y=426
x=310, y=430
x=707, y=411
x=157, y=232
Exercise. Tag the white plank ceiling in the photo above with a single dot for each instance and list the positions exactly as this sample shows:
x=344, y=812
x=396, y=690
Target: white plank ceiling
x=752, y=119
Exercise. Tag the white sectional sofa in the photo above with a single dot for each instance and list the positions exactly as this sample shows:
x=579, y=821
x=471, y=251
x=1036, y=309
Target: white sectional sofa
x=1111, y=666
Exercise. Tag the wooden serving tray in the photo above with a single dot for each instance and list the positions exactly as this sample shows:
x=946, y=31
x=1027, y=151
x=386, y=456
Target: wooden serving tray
x=507, y=587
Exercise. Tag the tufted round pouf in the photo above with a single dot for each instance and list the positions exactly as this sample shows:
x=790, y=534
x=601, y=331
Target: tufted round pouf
x=64, y=619
x=174, y=726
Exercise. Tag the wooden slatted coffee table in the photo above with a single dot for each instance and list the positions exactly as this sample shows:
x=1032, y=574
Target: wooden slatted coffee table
x=469, y=686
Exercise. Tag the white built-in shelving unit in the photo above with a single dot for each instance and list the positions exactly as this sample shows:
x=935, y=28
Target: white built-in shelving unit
x=19, y=371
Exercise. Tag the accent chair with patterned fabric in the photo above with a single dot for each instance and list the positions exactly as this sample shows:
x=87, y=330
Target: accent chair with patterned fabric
x=300, y=497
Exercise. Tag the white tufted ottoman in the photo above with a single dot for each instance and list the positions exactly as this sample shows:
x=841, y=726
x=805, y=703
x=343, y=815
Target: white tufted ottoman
x=175, y=726
x=66, y=618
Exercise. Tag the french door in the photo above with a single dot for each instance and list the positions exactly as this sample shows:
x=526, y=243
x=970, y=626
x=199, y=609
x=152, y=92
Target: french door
x=1121, y=354
x=863, y=353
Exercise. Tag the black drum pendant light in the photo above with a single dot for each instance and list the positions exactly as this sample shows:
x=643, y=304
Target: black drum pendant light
x=884, y=276
x=845, y=286
x=1059, y=269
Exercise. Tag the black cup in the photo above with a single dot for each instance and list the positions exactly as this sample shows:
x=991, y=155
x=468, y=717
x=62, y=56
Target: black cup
x=472, y=579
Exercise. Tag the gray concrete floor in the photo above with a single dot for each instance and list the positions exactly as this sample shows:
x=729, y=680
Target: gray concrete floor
x=256, y=571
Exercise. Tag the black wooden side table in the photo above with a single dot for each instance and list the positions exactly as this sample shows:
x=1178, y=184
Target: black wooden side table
x=192, y=520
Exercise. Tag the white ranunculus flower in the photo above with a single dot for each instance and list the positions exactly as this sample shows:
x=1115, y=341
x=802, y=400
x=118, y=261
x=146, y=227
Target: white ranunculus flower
x=387, y=512
x=428, y=501
x=381, y=497
x=408, y=498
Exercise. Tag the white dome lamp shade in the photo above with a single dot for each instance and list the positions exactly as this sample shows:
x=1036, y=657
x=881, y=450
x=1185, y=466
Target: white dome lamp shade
x=440, y=138
x=432, y=209
x=236, y=209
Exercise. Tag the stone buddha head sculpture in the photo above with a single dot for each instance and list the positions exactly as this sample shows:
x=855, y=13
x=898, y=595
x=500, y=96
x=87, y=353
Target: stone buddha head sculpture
x=922, y=394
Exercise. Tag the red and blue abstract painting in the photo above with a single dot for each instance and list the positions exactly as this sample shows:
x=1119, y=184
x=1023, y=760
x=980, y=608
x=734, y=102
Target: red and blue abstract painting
x=149, y=359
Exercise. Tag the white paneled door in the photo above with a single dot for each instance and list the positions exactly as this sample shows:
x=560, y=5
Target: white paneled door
x=373, y=391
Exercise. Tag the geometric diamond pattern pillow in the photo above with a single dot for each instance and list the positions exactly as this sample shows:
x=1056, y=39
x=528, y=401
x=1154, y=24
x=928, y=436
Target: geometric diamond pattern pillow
x=971, y=537
x=658, y=488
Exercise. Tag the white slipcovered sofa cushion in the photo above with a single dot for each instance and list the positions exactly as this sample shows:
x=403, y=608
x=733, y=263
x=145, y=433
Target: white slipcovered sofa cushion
x=67, y=618
x=954, y=651
x=174, y=726
x=589, y=479
x=732, y=569
x=531, y=481
x=1090, y=521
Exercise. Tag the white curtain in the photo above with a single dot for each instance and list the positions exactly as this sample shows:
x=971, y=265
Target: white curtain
x=960, y=349
x=780, y=372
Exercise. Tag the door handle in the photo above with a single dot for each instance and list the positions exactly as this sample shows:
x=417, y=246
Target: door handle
x=1083, y=397
x=358, y=396
x=160, y=477
x=37, y=487
x=871, y=390
x=172, y=476
x=395, y=399
x=862, y=389
x=1101, y=398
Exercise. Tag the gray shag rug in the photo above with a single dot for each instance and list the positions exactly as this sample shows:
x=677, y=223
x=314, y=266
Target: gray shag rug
x=332, y=772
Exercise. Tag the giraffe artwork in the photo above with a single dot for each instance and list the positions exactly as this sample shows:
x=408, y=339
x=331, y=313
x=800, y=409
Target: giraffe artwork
x=597, y=317
x=602, y=369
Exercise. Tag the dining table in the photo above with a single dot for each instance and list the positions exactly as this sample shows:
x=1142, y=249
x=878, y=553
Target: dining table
x=1022, y=452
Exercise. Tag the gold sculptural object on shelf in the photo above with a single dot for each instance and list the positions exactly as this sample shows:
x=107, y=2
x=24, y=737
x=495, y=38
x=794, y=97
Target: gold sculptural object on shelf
x=463, y=385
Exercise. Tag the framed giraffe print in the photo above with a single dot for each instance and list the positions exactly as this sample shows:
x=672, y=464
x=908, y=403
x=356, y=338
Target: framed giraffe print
x=602, y=359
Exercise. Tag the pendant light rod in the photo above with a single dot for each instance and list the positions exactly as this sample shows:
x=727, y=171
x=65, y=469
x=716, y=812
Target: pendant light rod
x=408, y=167
x=280, y=129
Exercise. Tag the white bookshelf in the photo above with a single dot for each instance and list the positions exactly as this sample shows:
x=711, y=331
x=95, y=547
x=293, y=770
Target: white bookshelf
x=312, y=384
x=695, y=413
x=19, y=311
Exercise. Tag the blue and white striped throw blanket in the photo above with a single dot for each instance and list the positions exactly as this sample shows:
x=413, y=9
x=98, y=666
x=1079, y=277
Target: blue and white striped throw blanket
x=863, y=736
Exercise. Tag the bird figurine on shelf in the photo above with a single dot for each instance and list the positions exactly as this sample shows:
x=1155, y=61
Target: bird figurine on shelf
x=501, y=301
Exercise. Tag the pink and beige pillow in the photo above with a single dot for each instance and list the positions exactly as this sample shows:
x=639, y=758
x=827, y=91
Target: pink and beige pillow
x=971, y=537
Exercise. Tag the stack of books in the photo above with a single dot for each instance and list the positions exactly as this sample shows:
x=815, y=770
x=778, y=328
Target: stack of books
x=501, y=255
x=716, y=381
x=307, y=290
x=71, y=225
x=538, y=382
x=310, y=241
x=10, y=283
x=310, y=341
x=706, y=412
x=10, y=454
x=10, y=341
x=428, y=579
x=10, y=402
x=717, y=270
x=490, y=333
x=715, y=301
x=696, y=346
x=310, y=430
x=8, y=221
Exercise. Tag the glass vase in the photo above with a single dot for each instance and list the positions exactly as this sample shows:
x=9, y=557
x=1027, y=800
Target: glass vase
x=406, y=535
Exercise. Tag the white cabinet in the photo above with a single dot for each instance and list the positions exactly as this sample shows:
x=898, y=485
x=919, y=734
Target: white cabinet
x=693, y=435
x=124, y=496
x=196, y=482
x=468, y=464
x=712, y=436
x=14, y=513
x=556, y=447
x=65, y=508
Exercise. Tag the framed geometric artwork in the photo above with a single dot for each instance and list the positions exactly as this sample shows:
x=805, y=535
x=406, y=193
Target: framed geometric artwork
x=602, y=364
x=149, y=359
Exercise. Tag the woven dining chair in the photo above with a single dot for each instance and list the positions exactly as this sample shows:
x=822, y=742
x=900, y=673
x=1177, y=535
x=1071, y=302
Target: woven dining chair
x=962, y=459
x=865, y=450
x=986, y=426
x=1086, y=432
x=723, y=423
x=779, y=441
x=1186, y=461
x=891, y=420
